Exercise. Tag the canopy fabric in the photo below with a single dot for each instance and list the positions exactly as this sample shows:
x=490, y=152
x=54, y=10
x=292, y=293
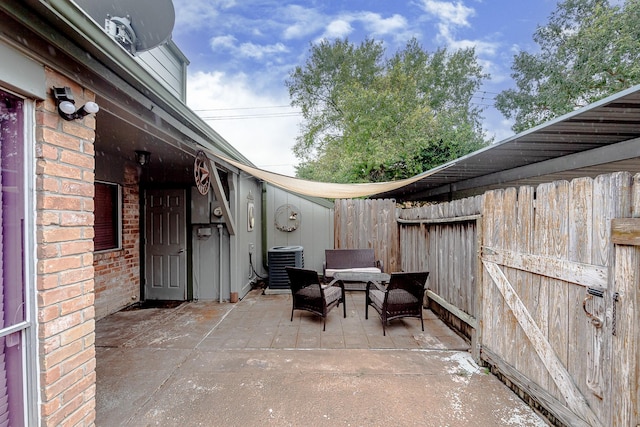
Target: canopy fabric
x=327, y=190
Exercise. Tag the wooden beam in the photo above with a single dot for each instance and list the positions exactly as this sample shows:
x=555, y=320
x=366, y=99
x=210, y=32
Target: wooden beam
x=625, y=231
x=541, y=396
x=216, y=185
x=574, y=272
x=574, y=399
x=465, y=317
x=454, y=219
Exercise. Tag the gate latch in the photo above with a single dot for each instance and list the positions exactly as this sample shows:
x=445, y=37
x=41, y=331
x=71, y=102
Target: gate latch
x=595, y=321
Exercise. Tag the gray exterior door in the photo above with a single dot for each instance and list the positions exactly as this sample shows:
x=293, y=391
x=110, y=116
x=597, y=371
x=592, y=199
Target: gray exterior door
x=166, y=245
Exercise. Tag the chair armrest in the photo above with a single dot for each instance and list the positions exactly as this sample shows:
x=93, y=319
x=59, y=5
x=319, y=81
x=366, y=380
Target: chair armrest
x=335, y=282
x=380, y=266
x=375, y=285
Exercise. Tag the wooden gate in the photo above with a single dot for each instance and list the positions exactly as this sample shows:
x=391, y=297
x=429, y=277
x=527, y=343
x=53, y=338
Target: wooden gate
x=559, y=316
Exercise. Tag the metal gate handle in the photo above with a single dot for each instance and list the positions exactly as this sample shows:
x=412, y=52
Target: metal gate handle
x=596, y=321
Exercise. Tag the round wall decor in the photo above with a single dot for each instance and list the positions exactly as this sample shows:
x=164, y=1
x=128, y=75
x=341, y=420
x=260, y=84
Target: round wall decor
x=202, y=172
x=287, y=218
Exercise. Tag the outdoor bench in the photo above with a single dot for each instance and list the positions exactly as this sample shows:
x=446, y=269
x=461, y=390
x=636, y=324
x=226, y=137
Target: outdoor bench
x=350, y=261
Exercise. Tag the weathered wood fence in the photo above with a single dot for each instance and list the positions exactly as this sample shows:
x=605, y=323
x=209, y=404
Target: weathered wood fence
x=545, y=282
x=368, y=224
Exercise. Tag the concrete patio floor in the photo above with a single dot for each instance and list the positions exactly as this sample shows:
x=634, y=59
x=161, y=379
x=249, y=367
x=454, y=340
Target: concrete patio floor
x=247, y=364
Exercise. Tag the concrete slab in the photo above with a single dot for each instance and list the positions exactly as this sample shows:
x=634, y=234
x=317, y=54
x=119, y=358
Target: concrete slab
x=248, y=364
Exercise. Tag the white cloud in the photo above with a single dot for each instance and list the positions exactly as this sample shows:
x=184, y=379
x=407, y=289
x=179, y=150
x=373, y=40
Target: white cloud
x=227, y=42
x=246, y=50
x=266, y=141
x=456, y=14
x=376, y=24
x=192, y=14
x=338, y=28
x=305, y=21
x=252, y=50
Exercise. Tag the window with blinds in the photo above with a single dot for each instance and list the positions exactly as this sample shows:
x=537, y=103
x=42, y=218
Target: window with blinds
x=106, y=216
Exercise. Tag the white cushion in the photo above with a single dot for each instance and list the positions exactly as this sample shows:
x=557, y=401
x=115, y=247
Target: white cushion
x=329, y=272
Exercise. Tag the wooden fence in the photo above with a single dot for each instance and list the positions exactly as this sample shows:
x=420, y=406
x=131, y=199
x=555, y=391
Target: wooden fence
x=368, y=224
x=545, y=280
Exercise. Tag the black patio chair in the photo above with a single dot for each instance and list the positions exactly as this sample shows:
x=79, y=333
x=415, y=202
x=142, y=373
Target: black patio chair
x=309, y=294
x=402, y=297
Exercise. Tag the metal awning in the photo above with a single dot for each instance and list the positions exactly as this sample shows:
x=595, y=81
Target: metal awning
x=600, y=138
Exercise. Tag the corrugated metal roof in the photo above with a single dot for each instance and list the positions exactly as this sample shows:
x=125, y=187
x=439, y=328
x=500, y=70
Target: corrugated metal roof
x=599, y=138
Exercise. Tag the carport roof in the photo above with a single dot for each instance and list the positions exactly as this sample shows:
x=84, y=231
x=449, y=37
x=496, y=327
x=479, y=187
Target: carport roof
x=599, y=138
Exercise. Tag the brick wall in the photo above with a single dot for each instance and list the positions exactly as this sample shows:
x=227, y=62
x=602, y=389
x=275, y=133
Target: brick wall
x=117, y=273
x=64, y=239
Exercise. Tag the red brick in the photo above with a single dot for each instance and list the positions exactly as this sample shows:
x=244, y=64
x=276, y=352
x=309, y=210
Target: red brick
x=48, y=251
x=59, y=139
x=66, y=380
x=76, y=218
x=87, y=259
x=74, y=304
x=46, y=119
x=46, y=151
x=76, y=188
x=77, y=159
x=77, y=128
x=84, y=411
x=78, y=361
x=55, y=265
x=51, y=344
x=51, y=375
x=60, y=234
x=47, y=314
x=49, y=408
x=78, y=247
x=61, y=324
x=48, y=218
x=65, y=203
x=88, y=176
x=88, y=148
x=47, y=282
x=89, y=312
x=46, y=167
x=44, y=183
x=57, y=295
x=62, y=353
x=59, y=419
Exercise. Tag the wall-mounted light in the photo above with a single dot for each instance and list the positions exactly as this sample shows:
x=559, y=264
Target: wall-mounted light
x=67, y=105
x=142, y=157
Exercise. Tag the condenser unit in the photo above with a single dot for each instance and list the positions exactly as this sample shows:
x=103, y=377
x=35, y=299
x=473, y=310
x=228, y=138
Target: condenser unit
x=280, y=257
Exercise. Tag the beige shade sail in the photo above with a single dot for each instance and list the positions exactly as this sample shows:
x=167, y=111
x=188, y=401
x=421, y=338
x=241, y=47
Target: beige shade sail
x=327, y=189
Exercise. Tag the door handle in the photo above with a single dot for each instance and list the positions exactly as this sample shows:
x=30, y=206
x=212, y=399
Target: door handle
x=181, y=251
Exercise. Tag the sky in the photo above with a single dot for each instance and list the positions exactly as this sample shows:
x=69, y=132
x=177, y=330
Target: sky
x=241, y=52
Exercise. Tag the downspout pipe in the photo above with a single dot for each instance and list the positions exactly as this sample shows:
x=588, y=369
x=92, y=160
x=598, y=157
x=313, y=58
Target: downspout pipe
x=220, y=233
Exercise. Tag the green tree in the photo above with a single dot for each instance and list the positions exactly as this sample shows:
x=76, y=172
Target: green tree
x=369, y=118
x=588, y=50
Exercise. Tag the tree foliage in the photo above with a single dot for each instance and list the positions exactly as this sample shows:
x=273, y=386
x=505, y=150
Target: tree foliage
x=588, y=50
x=369, y=118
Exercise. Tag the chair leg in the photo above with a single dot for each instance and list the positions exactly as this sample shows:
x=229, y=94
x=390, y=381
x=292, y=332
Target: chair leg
x=422, y=321
x=292, y=314
x=344, y=306
x=324, y=326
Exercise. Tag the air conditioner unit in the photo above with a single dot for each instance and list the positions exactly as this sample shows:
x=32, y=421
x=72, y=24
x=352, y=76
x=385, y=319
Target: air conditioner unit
x=280, y=257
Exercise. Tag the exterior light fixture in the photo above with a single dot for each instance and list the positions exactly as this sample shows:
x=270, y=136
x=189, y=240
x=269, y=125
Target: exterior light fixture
x=67, y=107
x=143, y=157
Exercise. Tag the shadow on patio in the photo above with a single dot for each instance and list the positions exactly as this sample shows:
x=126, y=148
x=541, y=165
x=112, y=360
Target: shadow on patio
x=245, y=364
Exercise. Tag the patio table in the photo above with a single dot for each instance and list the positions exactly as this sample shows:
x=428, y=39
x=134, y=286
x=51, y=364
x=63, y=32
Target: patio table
x=357, y=280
